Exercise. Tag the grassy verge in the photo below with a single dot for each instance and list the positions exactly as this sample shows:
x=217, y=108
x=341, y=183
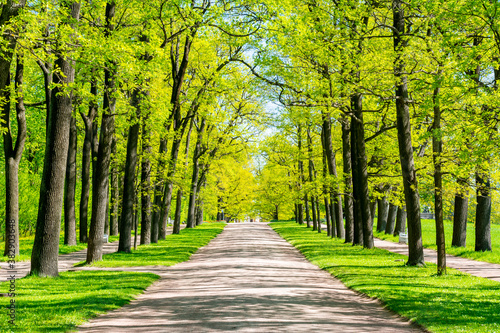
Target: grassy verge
x=26, y=245
x=429, y=241
x=60, y=304
x=456, y=302
x=168, y=252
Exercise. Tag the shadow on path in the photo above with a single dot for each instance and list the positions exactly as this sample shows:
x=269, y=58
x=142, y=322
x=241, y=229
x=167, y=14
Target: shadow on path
x=248, y=279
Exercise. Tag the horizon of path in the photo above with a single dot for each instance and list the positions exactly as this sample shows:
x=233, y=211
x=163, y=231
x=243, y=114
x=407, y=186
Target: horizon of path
x=248, y=279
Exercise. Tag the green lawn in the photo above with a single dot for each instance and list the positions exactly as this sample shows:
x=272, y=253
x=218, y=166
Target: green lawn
x=60, y=304
x=429, y=240
x=26, y=245
x=177, y=247
x=456, y=302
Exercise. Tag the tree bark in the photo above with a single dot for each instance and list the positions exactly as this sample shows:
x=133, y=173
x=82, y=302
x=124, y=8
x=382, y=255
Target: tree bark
x=329, y=226
x=347, y=171
x=332, y=167
x=44, y=257
x=12, y=157
x=129, y=194
x=100, y=178
x=89, y=147
x=115, y=192
x=311, y=178
x=357, y=216
x=70, y=191
x=460, y=218
x=318, y=215
x=167, y=197
x=363, y=196
x=391, y=219
x=327, y=216
x=159, y=188
x=412, y=198
x=400, y=221
x=483, y=212
x=146, y=183
x=195, y=175
x=306, y=205
x=313, y=209
x=437, y=149
x=382, y=213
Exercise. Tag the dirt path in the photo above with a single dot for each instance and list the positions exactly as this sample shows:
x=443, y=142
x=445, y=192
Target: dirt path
x=248, y=279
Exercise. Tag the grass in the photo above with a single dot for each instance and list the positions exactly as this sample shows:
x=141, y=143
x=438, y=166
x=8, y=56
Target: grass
x=168, y=252
x=456, y=302
x=60, y=304
x=26, y=245
x=429, y=240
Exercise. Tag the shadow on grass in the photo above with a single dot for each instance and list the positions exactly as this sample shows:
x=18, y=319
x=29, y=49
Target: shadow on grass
x=60, y=304
x=456, y=302
x=26, y=245
x=174, y=249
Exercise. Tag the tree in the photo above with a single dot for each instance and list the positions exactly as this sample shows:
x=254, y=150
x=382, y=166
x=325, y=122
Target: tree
x=45, y=252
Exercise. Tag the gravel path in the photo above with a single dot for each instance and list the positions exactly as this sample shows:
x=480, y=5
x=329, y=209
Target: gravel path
x=248, y=279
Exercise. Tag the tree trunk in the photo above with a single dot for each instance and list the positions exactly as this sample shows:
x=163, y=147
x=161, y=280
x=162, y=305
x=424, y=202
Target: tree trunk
x=199, y=209
x=70, y=191
x=460, y=219
x=327, y=217
x=391, y=219
x=115, y=193
x=333, y=214
x=329, y=226
x=129, y=197
x=44, y=257
x=167, y=197
x=159, y=188
x=347, y=171
x=358, y=132
x=100, y=178
x=373, y=209
x=313, y=209
x=12, y=159
x=483, y=213
x=146, y=183
x=306, y=205
x=178, y=209
x=318, y=215
x=89, y=146
x=332, y=165
x=357, y=216
x=437, y=149
x=400, y=221
x=412, y=198
x=382, y=213
x=311, y=177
